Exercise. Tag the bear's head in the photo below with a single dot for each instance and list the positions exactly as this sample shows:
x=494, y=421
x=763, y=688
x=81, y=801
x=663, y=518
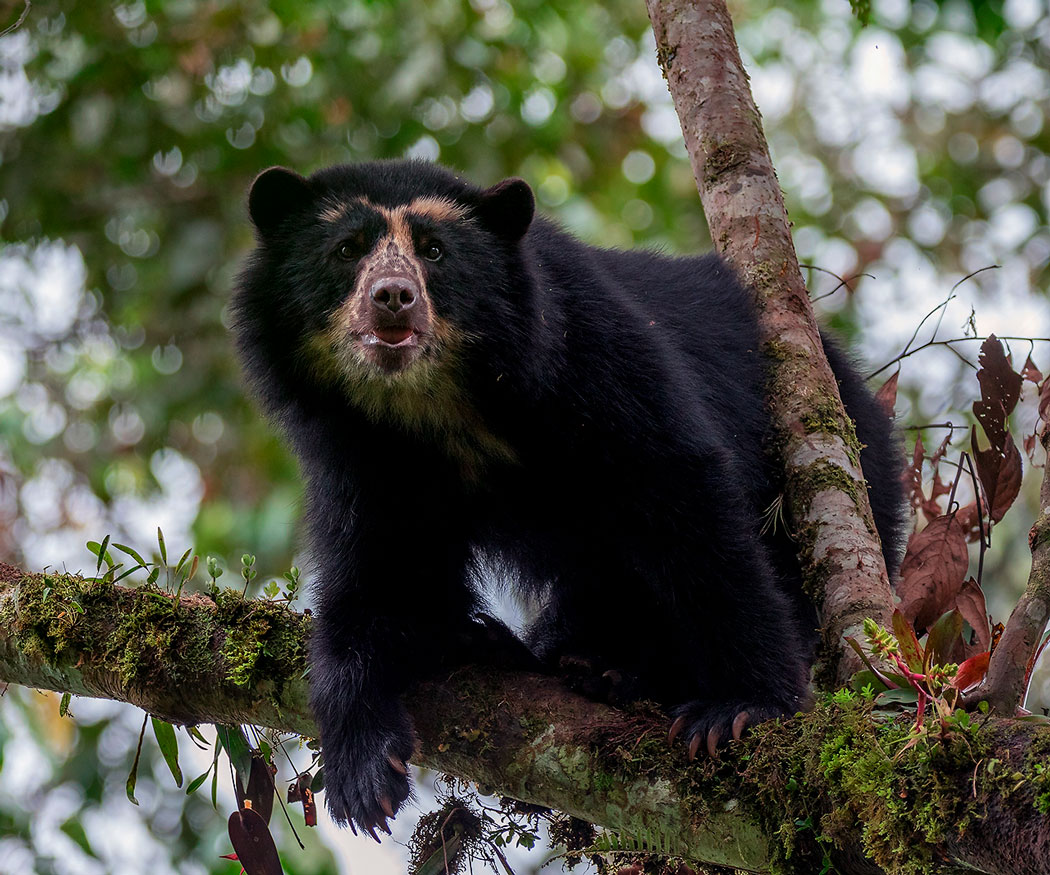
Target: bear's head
x=374, y=269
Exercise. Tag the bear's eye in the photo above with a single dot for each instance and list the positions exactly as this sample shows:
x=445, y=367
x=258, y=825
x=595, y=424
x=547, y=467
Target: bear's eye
x=347, y=251
x=433, y=252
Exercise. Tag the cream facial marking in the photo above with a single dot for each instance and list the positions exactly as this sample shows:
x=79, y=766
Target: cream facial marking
x=434, y=207
x=332, y=213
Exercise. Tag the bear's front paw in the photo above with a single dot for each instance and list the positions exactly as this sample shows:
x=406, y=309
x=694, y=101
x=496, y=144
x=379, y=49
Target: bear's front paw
x=366, y=776
x=711, y=723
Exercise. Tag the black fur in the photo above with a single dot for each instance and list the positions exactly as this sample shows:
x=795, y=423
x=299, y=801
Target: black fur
x=608, y=451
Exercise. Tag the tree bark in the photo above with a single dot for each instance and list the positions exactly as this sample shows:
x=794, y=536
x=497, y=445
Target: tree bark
x=832, y=782
x=828, y=505
x=1010, y=665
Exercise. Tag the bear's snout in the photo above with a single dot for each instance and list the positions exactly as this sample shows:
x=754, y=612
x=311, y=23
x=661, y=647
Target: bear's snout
x=394, y=293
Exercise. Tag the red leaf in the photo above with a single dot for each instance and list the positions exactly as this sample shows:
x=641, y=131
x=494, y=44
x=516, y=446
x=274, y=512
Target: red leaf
x=1000, y=389
x=970, y=604
x=1000, y=473
x=933, y=571
x=251, y=839
x=911, y=652
x=971, y=672
x=300, y=791
x=1030, y=372
x=886, y=396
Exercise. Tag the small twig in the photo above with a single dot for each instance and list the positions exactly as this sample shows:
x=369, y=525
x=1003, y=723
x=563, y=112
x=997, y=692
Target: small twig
x=948, y=343
x=842, y=282
x=986, y=540
x=21, y=20
x=951, y=293
x=276, y=790
x=936, y=425
x=952, y=505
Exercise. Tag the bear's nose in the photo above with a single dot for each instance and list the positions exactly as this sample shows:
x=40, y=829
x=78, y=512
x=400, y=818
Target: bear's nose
x=394, y=293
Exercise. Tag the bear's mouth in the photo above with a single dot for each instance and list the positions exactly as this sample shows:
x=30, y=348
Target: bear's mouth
x=394, y=338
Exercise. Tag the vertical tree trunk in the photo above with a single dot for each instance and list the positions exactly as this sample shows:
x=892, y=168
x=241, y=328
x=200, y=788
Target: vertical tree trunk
x=828, y=505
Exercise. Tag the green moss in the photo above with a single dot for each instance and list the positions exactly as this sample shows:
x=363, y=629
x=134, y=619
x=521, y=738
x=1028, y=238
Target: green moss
x=819, y=476
x=146, y=636
x=779, y=351
x=722, y=158
x=261, y=643
x=845, y=771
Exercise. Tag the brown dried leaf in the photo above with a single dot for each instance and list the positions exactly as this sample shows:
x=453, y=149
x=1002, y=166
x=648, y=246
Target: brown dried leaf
x=931, y=508
x=1000, y=389
x=933, y=571
x=970, y=521
x=1044, y=401
x=1030, y=372
x=970, y=604
x=1029, y=447
x=1000, y=473
x=938, y=454
x=886, y=396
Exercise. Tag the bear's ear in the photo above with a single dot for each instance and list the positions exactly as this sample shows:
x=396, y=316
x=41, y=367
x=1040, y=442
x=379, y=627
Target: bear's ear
x=275, y=193
x=506, y=209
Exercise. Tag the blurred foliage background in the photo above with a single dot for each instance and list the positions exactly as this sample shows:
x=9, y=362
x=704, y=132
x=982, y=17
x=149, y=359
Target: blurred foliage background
x=913, y=152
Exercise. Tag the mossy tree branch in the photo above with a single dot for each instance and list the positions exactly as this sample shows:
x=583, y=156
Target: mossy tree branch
x=839, y=549
x=974, y=799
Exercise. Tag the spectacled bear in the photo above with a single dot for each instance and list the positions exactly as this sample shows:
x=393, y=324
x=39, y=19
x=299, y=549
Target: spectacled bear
x=461, y=380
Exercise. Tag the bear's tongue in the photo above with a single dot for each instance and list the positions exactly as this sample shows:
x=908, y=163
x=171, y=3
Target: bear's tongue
x=393, y=336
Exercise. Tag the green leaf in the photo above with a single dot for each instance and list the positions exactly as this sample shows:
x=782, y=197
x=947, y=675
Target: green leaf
x=102, y=554
x=132, y=553
x=63, y=706
x=881, y=675
x=195, y=784
x=215, y=772
x=131, y=570
x=99, y=551
x=898, y=697
x=195, y=733
x=161, y=545
x=182, y=560
x=169, y=747
x=75, y=830
x=133, y=777
x=942, y=638
x=867, y=678
x=237, y=749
